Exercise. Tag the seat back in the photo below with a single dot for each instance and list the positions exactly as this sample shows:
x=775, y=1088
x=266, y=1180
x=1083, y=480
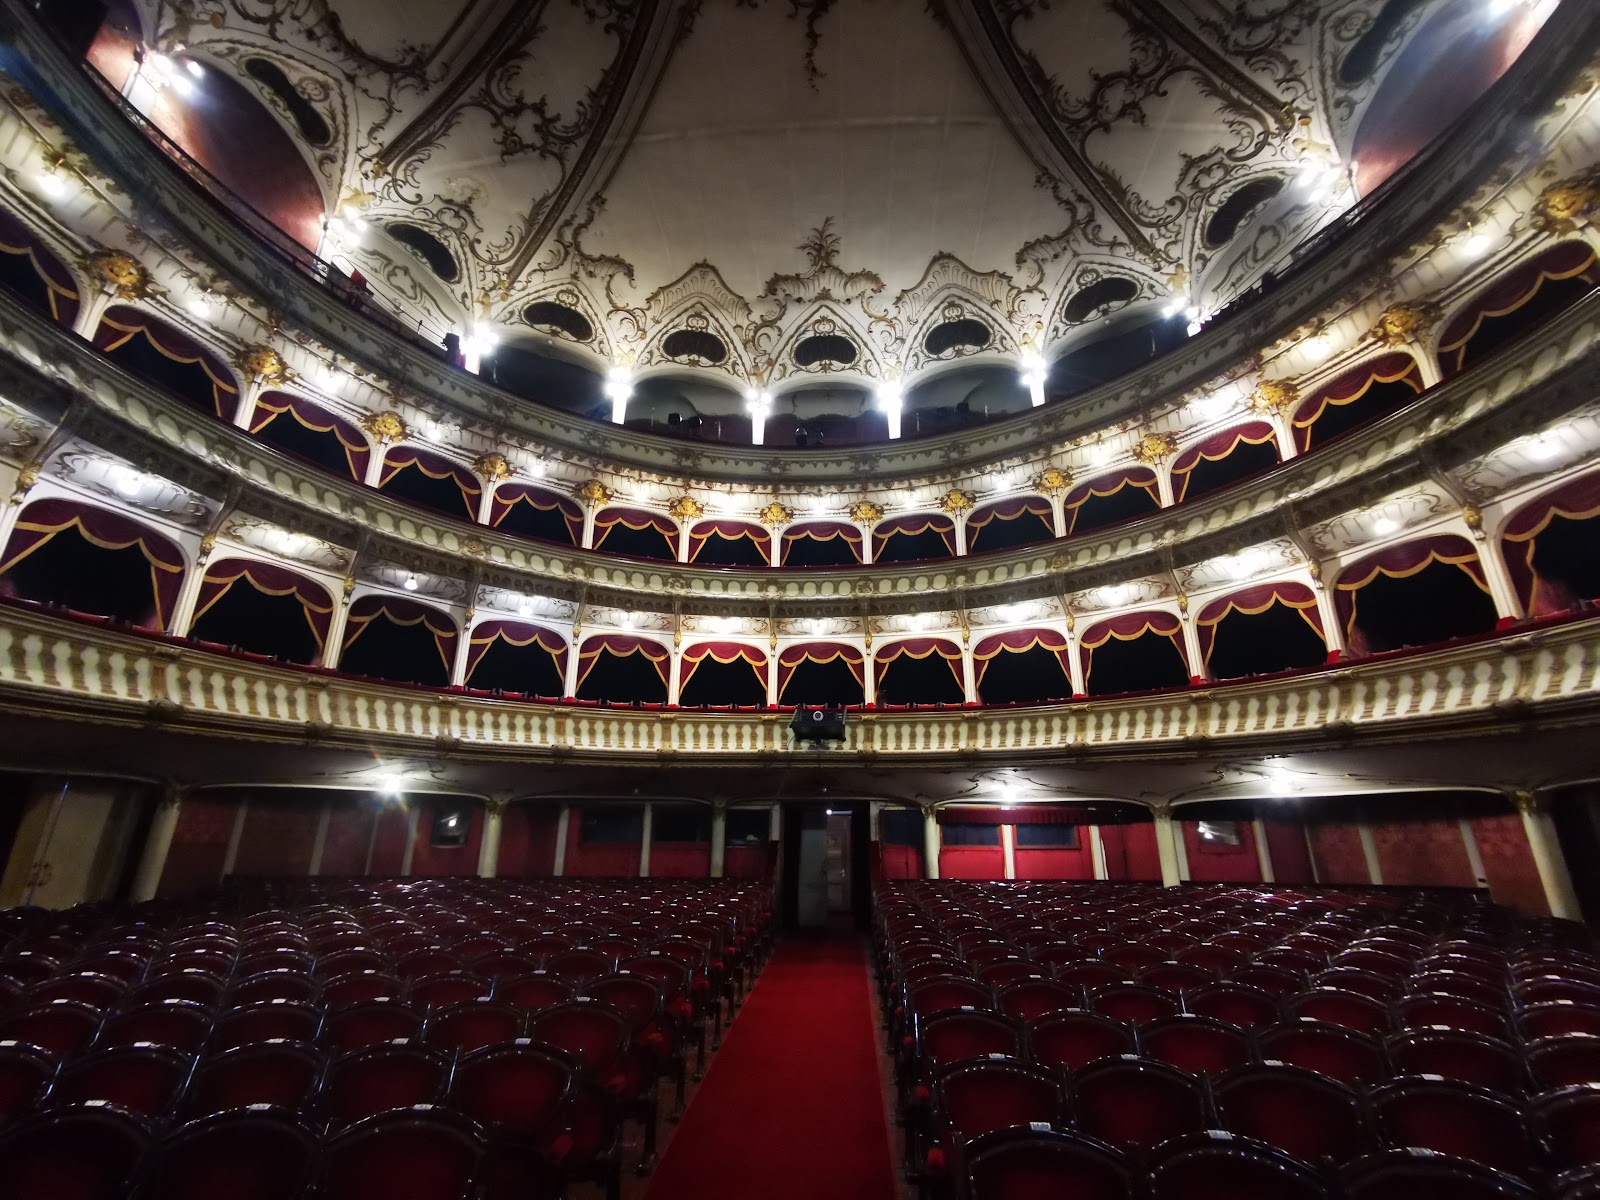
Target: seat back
x=1134, y=1103
x=421, y=1153
x=1455, y=1119
x=381, y=1079
x=75, y=1154
x=371, y=1024
x=980, y=1097
x=1297, y=1111
x=1220, y=1166
x=1032, y=1164
x=280, y=1073
x=245, y=1155
x=1069, y=1040
x=523, y=1089
x=1329, y=1050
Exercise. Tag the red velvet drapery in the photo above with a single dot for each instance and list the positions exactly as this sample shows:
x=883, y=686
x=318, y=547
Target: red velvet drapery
x=123, y=323
x=1126, y=628
x=1349, y=387
x=508, y=495
x=1109, y=485
x=722, y=652
x=1214, y=448
x=911, y=525
x=271, y=405
x=823, y=531
x=61, y=289
x=1020, y=641
x=1576, y=500
x=1254, y=600
x=818, y=652
x=1010, y=510
x=398, y=610
x=514, y=633
x=434, y=466
x=918, y=648
x=1566, y=260
x=271, y=580
x=620, y=645
x=1398, y=562
x=731, y=531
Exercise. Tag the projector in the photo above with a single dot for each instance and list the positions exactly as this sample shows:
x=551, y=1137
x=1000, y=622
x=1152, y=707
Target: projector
x=817, y=725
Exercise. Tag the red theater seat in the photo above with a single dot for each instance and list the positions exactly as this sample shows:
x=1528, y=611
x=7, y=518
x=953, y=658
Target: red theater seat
x=1134, y=1104
x=74, y=1154
x=382, y=1078
x=1300, y=1112
x=247, y=1155
x=1044, y=1164
x=1220, y=1166
x=421, y=1153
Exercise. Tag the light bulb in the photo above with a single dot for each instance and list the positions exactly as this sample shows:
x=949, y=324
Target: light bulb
x=1385, y=525
x=410, y=584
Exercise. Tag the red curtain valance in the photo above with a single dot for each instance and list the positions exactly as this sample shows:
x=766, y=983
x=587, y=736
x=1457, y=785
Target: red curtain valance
x=1258, y=599
x=1129, y=626
x=1398, y=562
x=122, y=323
x=398, y=610
x=44, y=519
x=620, y=645
x=722, y=652
x=1355, y=383
x=1020, y=641
x=1567, y=260
x=1019, y=814
x=1110, y=485
x=920, y=648
x=911, y=525
x=1577, y=500
x=271, y=405
x=731, y=531
x=1219, y=445
x=270, y=580
x=434, y=466
x=635, y=518
x=62, y=289
x=823, y=531
x=508, y=495
x=819, y=652
x=1010, y=510
x=514, y=633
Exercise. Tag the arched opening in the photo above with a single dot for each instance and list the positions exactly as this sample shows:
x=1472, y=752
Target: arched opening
x=821, y=544
x=1520, y=302
x=430, y=481
x=919, y=671
x=730, y=544
x=962, y=398
x=308, y=432
x=1110, y=499
x=1415, y=594
x=34, y=275
x=1023, y=666
x=264, y=609
x=1552, y=548
x=623, y=669
x=636, y=534
x=511, y=656
x=398, y=640
x=92, y=560
x=547, y=380
x=1136, y=652
x=1223, y=460
x=1020, y=521
x=524, y=511
x=1113, y=356
x=723, y=674
x=821, y=673
x=1363, y=393
x=150, y=348
x=914, y=538
x=1261, y=630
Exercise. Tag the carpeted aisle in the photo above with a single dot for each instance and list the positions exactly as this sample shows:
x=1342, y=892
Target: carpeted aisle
x=791, y=1107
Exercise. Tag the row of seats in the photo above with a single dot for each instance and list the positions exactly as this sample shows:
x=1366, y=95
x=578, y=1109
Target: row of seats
x=1334, y=1039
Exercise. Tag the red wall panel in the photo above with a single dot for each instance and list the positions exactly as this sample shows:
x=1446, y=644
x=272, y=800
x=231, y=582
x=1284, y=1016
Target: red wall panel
x=1131, y=851
x=1291, y=858
x=278, y=836
x=680, y=860
x=1338, y=851
x=428, y=859
x=528, y=841
x=748, y=862
x=603, y=858
x=1508, y=862
x=199, y=846
x=344, y=850
x=972, y=862
x=1211, y=863
x=389, y=849
x=900, y=862
x=1426, y=853
x=1057, y=862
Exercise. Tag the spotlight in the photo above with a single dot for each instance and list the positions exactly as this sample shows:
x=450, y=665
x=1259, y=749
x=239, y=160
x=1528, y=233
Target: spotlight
x=391, y=784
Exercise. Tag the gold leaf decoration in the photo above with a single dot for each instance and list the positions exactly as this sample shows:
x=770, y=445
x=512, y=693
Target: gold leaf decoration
x=956, y=501
x=385, y=426
x=1401, y=323
x=686, y=508
x=1273, y=395
x=1052, y=481
x=865, y=512
x=493, y=467
x=1568, y=203
x=592, y=491
x=776, y=514
x=122, y=273
x=264, y=363
x=1153, y=447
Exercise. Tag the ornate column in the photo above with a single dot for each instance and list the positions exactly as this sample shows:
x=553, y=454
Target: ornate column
x=1327, y=610
x=319, y=841
x=866, y=514
x=775, y=516
x=1097, y=853
x=594, y=496
x=685, y=510
x=230, y=857
x=493, y=469
x=930, y=844
x=458, y=667
x=1008, y=849
x=1274, y=401
x=956, y=504
x=263, y=369
x=1080, y=685
x=647, y=831
x=675, y=670
x=1507, y=604
x=1054, y=484
x=120, y=276
x=494, y=812
x=563, y=832
x=1408, y=326
x=1191, y=642
x=1554, y=874
x=772, y=671
x=719, y=839
x=26, y=478
x=1369, y=852
x=1156, y=451
x=1258, y=830
x=413, y=817
x=189, y=591
x=969, y=667
x=157, y=843
x=385, y=429
x=1166, y=845
x=337, y=620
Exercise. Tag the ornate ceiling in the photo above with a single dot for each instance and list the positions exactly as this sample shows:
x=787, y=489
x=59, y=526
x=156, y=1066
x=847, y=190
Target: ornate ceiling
x=766, y=171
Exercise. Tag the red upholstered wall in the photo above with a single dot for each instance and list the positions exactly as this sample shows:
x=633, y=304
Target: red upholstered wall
x=1338, y=851
x=972, y=862
x=199, y=845
x=1508, y=862
x=344, y=850
x=1291, y=858
x=389, y=850
x=1057, y=863
x=428, y=859
x=1427, y=853
x=748, y=862
x=1211, y=863
x=279, y=835
x=601, y=859
x=898, y=862
x=1131, y=851
x=680, y=860
x=528, y=841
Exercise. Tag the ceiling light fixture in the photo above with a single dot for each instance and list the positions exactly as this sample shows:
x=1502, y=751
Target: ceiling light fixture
x=1385, y=525
x=1543, y=448
x=410, y=583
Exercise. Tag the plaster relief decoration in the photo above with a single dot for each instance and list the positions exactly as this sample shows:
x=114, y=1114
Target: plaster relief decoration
x=384, y=427
x=956, y=502
x=284, y=543
x=127, y=486
x=775, y=514
x=493, y=467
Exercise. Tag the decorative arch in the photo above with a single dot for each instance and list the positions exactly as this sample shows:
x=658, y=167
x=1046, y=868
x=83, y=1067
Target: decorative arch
x=516, y=656
x=914, y=537
x=726, y=543
x=529, y=511
x=1260, y=630
x=1017, y=521
x=1224, y=459
x=636, y=533
x=821, y=673
x=1035, y=667
x=1109, y=499
x=308, y=431
x=1552, y=547
x=1134, y=652
x=822, y=319
x=919, y=671
x=1450, y=598
x=154, y=349
x=1518, y=302
x=722, y=674
x=821, y=544
x=57, y=554
x=263, y=608
x=431, y=481
x=623, y=668
x=399, y=640
x=1364, y=393
x=570, y=294
x=36, y=274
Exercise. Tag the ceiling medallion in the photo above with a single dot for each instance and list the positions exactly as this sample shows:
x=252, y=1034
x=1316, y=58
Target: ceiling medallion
x=865, y=512
x=776, y=514
x=122, y=273
x=385, y=426
x=592, y=491
x=956, y=501
x=1401, y=323
x=1153, y=447
x=1273, y=395
x=1052, y=481
x=1568, y=203
x=493, y=467
x=686, y=508
x=263, y=363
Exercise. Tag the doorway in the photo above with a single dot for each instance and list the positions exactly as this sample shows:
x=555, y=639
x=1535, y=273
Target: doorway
x=825, y=871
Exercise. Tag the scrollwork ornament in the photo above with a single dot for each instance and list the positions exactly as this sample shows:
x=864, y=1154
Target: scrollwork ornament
x=686, y=508
x=493, y=467
x=1273, y=396
x=955, y=501
x=385, y=427
x=121, y=273
x=1402, y=323
x=1153, y=447
x=1053, y=480
x=776, y=514
x=1568, y=203
x=592, y=491
x=263, y=363
x=865, y=512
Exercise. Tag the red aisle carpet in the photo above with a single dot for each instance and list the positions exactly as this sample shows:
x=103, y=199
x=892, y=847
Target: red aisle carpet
x=792, y=1106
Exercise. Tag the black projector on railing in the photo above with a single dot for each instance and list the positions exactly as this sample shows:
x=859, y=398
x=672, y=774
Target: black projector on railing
x=817, y=725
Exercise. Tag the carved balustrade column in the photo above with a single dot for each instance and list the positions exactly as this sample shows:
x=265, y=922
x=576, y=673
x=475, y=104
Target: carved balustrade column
x=1053, y=483
x=776, y=517
x=494, y=469
x=866, y=515
x=1156, y=451
x=1409, y=326
x=685, y=510
x=1274, y=401
x=956, y=504
x=386, y=429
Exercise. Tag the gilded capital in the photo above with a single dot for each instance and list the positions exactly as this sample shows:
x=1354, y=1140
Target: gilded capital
x=1402, y=323
x=385, y=426
x=956, y=501
x=120, y=272
x=592, y=491
x=1273, y=395
x=493, y=467
x=776, y=514
x=1153, y=447
x=686, y=508
x=1530, y=802
x=865, y=512
x=1052, y=481
x=1568, y=203
x=264, y=363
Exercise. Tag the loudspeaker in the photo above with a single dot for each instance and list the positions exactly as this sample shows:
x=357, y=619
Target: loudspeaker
x=817, y=725
x=450, y=824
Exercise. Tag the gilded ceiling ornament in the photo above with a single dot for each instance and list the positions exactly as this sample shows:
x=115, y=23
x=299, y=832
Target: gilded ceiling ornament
x=1568, y=203
x=776, y=514
x=865, y=512
x=686, y=508
x=1273, y=395
x=1052, y=481
x=493, y=467
x=1472, y=516
x=385, y=426
x=592, y=491
x=122, y=273
x=207, y=545
x=1153, y=447
x=1401, y=323
x=263, y=363
x=956, y=501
